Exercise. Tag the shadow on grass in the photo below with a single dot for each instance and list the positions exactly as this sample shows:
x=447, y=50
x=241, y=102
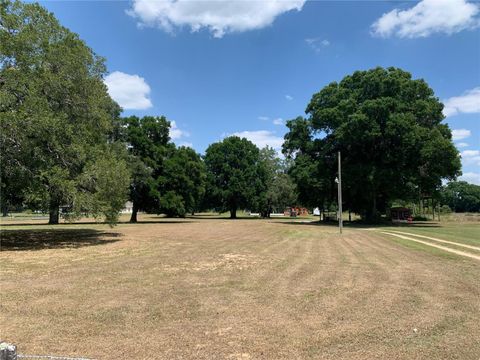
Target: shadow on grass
x=80, y=223
x=38, y=239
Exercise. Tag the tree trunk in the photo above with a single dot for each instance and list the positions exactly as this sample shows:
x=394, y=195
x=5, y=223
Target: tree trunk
x=233, y=212
x=133, y=218
x=349, y=216
x=54, y=214
x=5, y=210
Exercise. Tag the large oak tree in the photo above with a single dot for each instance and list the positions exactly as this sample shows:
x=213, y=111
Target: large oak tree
x=389, y=129
x=55, y=117
x=236, y=175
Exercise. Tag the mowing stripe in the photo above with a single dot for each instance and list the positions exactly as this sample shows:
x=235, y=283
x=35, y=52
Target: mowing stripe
x=458, y=252
x=439, y=240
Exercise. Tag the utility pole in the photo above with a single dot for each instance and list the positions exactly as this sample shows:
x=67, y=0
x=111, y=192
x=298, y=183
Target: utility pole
x=340, y=220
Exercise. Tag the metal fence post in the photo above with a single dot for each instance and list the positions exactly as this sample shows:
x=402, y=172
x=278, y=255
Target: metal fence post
x=8, y=351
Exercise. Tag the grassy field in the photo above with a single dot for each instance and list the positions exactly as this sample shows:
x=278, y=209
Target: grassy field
x=211, y=288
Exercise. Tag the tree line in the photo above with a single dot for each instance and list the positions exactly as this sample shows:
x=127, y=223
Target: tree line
x=234, y=174
x=65, y=146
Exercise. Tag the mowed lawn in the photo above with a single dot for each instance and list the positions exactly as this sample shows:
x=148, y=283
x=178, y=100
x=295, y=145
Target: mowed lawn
x=243, y=289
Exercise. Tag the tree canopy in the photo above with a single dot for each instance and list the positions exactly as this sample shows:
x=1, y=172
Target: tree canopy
x=56, y=117
x=236, y=177
x=389, y=129
x=148, y=143
x=165, y=179
x=183, y=182
x=281, y=191
x=461, y=196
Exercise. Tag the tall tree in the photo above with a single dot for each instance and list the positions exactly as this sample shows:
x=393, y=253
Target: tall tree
x=281, y=191
x=55, y=112
x=236, y=176
x=182, y=182
x=148, y=141
x=389, y=129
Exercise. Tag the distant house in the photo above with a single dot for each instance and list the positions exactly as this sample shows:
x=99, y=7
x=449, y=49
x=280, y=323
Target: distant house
x=400, y=214
x=128, y=208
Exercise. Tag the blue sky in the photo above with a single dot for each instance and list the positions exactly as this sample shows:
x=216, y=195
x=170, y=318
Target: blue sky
x=243, y=67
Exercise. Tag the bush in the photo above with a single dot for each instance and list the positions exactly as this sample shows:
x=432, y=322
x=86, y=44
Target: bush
x=445, y=209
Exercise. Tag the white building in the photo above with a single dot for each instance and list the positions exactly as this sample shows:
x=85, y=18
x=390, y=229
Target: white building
x=128, y=208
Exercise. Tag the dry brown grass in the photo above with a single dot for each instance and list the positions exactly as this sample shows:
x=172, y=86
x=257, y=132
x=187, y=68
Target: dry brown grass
x=245, y=289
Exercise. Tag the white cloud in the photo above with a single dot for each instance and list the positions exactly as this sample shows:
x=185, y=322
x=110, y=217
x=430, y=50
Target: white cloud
x=263, y=118
x=462, y=145
x=289, y=97
x=470, y=153
x=278, y=121
x=176, y=133
x=131, y=92
x=459, y=134
x=470, y=157
x=262, y=138
x=218, y=16
x=186, y=144
x=471, y=177
x=468, y=103
x=317, y=44
x=428, y=17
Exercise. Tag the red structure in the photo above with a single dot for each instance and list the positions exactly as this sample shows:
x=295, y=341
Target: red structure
x=295, y=211
x=401, y=214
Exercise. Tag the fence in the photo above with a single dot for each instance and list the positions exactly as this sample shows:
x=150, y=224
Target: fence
x=51, y=357
x=9, y=352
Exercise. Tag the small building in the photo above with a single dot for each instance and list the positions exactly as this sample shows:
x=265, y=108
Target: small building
x=127, y=208
x=400, y=214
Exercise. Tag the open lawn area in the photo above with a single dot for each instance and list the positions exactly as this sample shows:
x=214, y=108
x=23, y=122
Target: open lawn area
x=207, y=288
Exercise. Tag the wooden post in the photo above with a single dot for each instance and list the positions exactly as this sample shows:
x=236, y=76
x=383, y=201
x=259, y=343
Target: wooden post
x=433, y=210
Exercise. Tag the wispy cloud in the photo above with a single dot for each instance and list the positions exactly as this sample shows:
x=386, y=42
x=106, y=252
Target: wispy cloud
x=177, y=133
x=289, y=97
x=262, y=138
x=277, y=121
x=317, y=44
x=186, y=144
x=468, y=102
x=471, y=177
x=461, y=145
x=428, y=17
x=131, y=92
x=263, y=118
x=459, y=134
x=471, y=157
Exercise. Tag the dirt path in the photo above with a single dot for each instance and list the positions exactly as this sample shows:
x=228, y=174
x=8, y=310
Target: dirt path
x=448, y=249
x=437, y=239
x=245, y=289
